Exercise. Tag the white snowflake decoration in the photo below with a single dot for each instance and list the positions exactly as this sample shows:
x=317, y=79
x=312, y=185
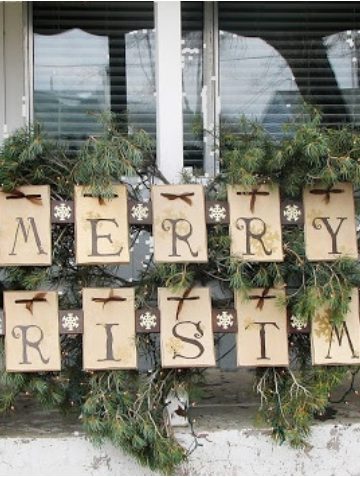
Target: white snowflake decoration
x=70, y=322
x=297, y=323
x=140, y=212
x=217, y=213
x=292, y=212
x=62, y=212
x=148, y=321
x=225, y=320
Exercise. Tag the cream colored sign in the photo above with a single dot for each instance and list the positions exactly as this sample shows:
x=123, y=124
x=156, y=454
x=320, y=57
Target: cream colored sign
x=186, y=328
x=331, y=345
x=32, y=341
x=262, y=329
x=109, y=328
x=255, y=226
x=25, y=226
x=179, y=225
x=329, y=222
x=101, y=225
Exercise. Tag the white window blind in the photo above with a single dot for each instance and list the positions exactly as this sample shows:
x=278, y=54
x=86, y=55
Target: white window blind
x=275, y=55
x=91, y=57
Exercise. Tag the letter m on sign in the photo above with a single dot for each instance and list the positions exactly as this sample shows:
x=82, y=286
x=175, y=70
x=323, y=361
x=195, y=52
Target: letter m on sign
x=25, y=227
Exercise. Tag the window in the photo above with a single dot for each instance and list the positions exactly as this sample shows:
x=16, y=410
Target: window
x=192, y=64
x=275, y=55
x=91, y=57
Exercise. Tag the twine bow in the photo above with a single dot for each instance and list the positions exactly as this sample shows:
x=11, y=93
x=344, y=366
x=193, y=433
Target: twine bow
x=184, y=197
x=99, y=198
x=181, y=300
x=17, y=194
x=110, y=298
x=39, y=297
x=261, y=298
x=326, y=192
x=253, y=193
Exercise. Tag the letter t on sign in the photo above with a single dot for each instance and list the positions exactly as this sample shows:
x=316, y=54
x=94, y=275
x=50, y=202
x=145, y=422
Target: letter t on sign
x=262, y=329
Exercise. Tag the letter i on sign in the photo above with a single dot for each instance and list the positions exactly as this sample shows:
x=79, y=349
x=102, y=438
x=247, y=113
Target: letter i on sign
x=109, y=328
x=32, y=341
x=262, y=328
x=101, y=227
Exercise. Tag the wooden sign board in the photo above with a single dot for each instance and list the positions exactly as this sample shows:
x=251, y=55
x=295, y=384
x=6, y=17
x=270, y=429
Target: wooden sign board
x=255, y=225
x=186, y=328
x=101, y=227
x=179, y=225
x=330, y=229
x=32, y=341
x=332, y=345
x=109, y=328
x=25, y=227
x=262, y=329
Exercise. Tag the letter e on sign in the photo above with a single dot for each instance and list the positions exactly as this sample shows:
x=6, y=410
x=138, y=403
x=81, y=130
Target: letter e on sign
x=32, y=341
x=101, y=227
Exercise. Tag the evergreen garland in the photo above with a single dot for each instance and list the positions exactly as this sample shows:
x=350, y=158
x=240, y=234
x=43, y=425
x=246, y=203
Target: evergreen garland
x=128, y=406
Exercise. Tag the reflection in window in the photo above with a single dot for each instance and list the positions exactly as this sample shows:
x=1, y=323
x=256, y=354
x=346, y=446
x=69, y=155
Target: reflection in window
x=275, y=55
x=90, y=58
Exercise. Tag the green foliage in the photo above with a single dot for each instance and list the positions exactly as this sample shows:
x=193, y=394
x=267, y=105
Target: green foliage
x=124, y=407
x=28, y=157
x=291, y=398
x=128, y=407
x=112, y=156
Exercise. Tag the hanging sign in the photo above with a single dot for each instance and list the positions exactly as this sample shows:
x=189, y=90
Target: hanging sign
x=25, y=226
x=186, y=328
x=330, y=230
x=179, y=225
x=109, y=328
x=262, y=328
x=32, y=341
x=101, y=227
x=337, y=344
x=255, y=225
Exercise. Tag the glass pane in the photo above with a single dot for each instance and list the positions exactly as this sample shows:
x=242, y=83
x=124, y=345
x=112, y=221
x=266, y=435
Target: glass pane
x=90, y=58
x=276, y=55
x=192, y=43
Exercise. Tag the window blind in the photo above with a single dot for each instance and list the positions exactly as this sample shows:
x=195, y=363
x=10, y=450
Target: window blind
x=91, y=57
x=276, y=55
x=192, y=63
